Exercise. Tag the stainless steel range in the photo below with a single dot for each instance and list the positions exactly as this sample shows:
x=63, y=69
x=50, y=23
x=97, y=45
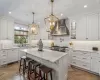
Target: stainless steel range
x=59, y=48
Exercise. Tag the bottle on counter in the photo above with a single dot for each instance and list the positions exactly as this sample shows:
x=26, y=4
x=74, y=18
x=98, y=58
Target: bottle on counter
x=40, y=45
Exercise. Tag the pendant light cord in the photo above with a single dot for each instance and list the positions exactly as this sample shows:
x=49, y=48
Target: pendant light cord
x=33, y=16
x=52, y=1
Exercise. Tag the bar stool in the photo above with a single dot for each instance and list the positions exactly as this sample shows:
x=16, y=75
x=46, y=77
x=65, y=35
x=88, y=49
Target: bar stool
x=32, y=68
x=45, y=71
x=23, y=64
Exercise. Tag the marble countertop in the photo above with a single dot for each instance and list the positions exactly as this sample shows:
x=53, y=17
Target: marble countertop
x=46, y=54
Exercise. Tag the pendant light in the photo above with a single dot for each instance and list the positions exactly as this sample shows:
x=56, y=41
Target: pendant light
x=51, y=19
x=34, y=27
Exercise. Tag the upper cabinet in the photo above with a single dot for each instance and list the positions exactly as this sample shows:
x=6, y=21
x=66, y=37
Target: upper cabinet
x=81, y=27
x=92, y=27
x=99, y=27
x=87, y=27
x=6, y=28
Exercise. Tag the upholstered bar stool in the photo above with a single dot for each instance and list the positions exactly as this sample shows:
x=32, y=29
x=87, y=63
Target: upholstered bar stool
x=23, y=64
x=32, y=69
x=45, y=70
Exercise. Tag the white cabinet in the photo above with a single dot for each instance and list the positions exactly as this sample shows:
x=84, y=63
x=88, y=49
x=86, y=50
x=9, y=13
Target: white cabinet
x=3, y=57
x=13, y=55
x=99, y=26
x=6, y=28
x=81, y=59
x=99, y=66
x=87, y=27
x=3, y=29
x=92, y=26
x=81, y=28
x=10, y=29
x=86, y=60
x=21, y=54
x=95, y=64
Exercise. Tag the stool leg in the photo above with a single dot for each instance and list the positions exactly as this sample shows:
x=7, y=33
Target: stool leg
x=20, y=65
x=40, y=75
x=46, y=77
x=24, y=67
x=29, y=70
x=51, y=75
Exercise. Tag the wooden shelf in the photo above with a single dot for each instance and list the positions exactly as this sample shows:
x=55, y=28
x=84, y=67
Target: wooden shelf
x=20, y=35
x=21, y=30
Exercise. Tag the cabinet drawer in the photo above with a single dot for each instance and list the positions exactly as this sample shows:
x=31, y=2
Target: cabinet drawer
x=3, y=54
x=82, y=58
x=81, y=64
x=81, y=53
x=76, y=62
x=94, y=54
x=3, y=61
x=85, y=65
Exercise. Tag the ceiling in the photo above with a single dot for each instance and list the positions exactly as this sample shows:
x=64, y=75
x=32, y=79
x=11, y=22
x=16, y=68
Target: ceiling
x=22, y=9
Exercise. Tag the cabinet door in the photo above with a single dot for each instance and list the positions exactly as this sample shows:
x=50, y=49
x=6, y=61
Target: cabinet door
x=3, y=57
x=99, y=26
x=12, y=55
x=95, y=64
x=92, y=26
x=81, y=28
x=3, y=29
x=10, y=26
x=99, y=66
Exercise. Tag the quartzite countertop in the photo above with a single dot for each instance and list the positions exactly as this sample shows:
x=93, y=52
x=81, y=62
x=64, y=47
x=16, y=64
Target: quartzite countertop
x=46, y=54
x=58, y=61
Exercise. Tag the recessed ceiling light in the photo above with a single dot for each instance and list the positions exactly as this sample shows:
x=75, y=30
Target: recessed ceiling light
x=9, y=12
x=85, y=6
x=61, y=14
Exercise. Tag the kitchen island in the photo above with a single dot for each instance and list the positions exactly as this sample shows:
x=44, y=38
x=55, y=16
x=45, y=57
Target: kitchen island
x=58, y=61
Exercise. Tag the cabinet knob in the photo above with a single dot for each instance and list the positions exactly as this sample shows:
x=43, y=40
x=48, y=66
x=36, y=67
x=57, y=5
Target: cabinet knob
x=99, y=61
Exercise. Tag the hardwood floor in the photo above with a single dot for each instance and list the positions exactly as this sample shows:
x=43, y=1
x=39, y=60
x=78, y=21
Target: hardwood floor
x=10, y=72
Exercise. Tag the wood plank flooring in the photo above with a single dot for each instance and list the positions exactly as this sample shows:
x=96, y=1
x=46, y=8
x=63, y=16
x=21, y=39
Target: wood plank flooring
x=10, y=72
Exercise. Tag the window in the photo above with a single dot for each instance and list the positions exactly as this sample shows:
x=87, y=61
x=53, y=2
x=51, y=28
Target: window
x=21, y=33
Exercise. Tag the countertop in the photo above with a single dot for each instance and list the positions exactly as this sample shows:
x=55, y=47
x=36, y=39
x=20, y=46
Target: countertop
x=46, y=54
x=10, y=48
x=88, y=50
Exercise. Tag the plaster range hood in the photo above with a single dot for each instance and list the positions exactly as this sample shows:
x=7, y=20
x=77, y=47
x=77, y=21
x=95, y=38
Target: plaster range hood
x=61, y=28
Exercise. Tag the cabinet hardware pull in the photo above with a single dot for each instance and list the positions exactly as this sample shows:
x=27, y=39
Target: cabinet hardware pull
x=84, y=58
x=74, y=56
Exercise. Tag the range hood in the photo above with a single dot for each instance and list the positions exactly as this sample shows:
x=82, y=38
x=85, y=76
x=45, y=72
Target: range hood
x=61, y=28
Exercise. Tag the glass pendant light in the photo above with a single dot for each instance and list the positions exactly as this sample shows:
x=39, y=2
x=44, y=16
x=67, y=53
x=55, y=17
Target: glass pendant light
x=34, y=27
x=51, y=19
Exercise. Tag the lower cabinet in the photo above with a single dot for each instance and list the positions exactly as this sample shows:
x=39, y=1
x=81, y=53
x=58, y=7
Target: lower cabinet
x=86, y=60
x=99, y=66
x=13, y=55
x=21, y=54
x=95, y=64
x=3, y=57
